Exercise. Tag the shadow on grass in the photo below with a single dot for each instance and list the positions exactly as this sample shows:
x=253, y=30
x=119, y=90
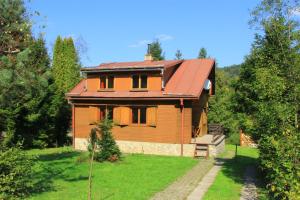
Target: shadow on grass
x=51, y=167
x=234, y=168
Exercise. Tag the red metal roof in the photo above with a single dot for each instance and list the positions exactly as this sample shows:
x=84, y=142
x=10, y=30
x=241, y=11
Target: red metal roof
x=133, y=65
x=189, y=78
x=187, y=81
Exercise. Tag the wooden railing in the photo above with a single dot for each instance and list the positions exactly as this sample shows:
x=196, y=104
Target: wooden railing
x=216, y=130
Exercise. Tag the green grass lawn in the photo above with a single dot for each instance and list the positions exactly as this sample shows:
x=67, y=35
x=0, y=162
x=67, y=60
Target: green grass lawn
x=62, y=173
x=229, y=181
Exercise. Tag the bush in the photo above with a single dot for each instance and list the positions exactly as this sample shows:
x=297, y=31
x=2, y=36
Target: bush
x=15, y=173
x=106, y=148
x=279, y=160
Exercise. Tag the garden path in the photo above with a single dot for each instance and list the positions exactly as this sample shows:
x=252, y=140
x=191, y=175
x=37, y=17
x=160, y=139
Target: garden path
x=206, y=182
x=249, y=190
x=182, y=187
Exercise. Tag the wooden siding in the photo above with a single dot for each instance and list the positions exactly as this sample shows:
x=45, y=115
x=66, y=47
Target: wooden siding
x=83, y=121
x=123, y=82
x=198, y=120
x=167, y=129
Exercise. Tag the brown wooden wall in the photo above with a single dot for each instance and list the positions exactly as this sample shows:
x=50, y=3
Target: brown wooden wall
x=123, y=82
x=167, y=130
x=199, y=114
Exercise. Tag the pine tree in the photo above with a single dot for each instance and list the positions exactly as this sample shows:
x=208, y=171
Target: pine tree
x=23, y=76
x=202, y=53
x=156, y=50
x=178, y=55
x=15, y=28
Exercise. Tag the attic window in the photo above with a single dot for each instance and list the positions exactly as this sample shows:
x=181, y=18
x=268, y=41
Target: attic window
x=106, y=82
x=139, y=81
x=135, y=81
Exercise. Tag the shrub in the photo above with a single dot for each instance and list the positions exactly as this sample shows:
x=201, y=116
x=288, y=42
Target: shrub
x=15, y=173
x=106, y=148
x=279, y=161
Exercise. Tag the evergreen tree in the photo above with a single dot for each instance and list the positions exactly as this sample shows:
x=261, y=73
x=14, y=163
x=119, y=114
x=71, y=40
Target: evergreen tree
x=178, y=55
x=156, y=50
x=23, y=76
x=15, y=28
x=66, y=74
x=267, y=95
x=66, y=67
x=202, y=53
x=102, y=146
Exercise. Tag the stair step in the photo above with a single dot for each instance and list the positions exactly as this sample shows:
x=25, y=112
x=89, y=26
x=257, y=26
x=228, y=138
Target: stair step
x=201, y=148
x=200, y=153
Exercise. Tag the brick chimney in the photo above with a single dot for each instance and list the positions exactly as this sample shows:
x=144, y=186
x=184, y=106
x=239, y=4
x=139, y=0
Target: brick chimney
x=148, y=56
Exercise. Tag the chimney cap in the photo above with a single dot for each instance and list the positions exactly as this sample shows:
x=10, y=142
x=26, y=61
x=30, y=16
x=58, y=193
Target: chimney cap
x=148, y=49
x=148, y=56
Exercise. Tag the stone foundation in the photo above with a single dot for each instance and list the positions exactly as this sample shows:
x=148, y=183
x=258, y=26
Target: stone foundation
x=145, y=147
x=217, y=147
x=158, y=148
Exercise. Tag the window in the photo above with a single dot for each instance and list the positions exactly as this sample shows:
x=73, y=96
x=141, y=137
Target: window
x=110, y=82
x=135, y=115
x=139, y=81
x=106, y=110
x=143, y=81
x=135, y=81
x=102, y=82
x=106, y=82
x=139, y=115
x=142, y=115
x=110, y=112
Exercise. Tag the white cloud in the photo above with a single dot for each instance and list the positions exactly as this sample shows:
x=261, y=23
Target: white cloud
x=164, y=37
x=140, y=43
x=160, y=37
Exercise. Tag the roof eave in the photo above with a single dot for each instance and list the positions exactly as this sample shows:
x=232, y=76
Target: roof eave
x=186, y=97
x=135, y=69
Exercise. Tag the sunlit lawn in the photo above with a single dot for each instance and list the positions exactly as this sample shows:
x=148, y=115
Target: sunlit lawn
x=63, y=174
x=229, y=181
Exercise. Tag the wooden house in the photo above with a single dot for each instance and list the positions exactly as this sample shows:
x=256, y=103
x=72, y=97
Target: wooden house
x=160, y=107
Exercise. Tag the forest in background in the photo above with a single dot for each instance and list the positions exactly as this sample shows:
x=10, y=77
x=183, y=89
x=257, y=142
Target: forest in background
x=221, y=104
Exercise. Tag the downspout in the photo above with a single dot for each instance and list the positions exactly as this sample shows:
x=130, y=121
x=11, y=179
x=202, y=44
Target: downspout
x=73, y=125
x=182, y=123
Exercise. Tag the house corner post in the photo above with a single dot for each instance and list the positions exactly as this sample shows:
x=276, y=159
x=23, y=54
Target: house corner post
x=182, y=125
x=73, y=125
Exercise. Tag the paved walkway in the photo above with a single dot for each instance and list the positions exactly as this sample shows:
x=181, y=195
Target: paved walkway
x=249, y=190
x=181, y=188
x=206, y=182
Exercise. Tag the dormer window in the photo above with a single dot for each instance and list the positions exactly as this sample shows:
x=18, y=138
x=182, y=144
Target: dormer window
x=106, y=82
x=139, y=81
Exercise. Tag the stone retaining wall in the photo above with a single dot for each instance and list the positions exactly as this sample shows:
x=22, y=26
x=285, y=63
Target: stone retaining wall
x=145, y=147
x=158, y=148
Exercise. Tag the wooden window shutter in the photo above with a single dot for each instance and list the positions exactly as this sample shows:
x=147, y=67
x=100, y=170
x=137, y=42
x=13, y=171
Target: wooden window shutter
x=94, y=114
x=125, y=116
x=151, y=116
x=117, y=115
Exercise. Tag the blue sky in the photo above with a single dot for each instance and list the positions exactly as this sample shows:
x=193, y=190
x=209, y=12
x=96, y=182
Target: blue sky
x=118, y=30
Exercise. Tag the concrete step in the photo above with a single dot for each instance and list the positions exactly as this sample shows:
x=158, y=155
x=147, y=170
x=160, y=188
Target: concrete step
x=200, y=153
x=201, y=147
